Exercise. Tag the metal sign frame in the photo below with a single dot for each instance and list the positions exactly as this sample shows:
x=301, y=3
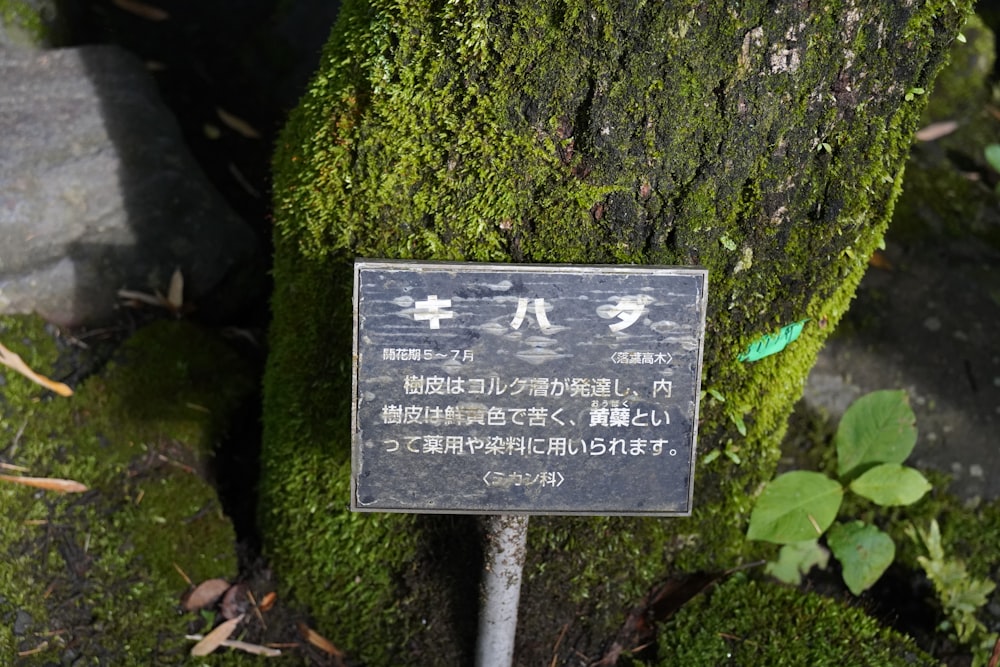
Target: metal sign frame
x=527, y=389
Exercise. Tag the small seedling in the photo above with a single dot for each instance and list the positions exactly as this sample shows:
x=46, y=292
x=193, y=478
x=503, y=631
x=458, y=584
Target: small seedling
x=875, y=436
x=961, y=595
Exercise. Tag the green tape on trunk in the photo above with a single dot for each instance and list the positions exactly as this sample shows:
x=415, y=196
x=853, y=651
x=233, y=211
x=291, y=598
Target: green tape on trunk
x=769, y=344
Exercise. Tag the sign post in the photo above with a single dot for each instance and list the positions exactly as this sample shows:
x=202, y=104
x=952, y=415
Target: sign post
x=514, y=389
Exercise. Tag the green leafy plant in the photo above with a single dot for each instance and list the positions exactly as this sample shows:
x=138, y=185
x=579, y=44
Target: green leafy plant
x=731, y=449
x=876, y=434
x=961, y=595
x=992, y=155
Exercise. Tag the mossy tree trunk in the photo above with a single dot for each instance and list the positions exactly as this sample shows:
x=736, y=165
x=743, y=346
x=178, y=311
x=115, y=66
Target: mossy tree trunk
x=764, y=141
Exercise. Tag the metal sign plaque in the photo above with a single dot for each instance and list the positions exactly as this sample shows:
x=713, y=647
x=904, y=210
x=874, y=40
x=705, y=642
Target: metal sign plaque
x=526, y=389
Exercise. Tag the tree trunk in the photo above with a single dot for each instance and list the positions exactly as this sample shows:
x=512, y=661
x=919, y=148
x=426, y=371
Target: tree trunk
x=764, y=141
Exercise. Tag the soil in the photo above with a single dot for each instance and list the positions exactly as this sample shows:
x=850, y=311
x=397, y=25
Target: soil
x=925, y=320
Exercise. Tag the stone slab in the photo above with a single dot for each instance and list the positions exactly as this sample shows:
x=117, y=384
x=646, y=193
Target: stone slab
x=98, y=191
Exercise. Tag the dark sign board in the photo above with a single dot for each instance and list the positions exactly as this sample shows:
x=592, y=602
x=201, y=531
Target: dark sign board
x=534, y=389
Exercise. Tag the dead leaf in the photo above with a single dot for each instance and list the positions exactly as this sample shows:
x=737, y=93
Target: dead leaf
x=142, y=10
x=216, y=637
x=319, y=641
x=47, y=483
x=205, y=594
x=175, y=295
x=15, y=363
x=268, y=601
x=235, y=602
x=880, y=261
x=936, y=130
x=238, y=124
x=256, y=649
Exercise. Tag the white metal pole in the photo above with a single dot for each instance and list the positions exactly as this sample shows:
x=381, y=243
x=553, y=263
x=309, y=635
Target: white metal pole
x=506, y=542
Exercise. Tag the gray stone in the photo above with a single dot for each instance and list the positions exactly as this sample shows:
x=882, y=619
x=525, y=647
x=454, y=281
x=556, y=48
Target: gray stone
x=22, y=623
x=98, y=191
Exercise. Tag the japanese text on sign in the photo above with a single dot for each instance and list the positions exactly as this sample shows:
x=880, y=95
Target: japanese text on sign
x=536, y=389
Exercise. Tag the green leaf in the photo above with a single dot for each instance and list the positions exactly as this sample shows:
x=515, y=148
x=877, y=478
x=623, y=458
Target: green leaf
x=891, y=484
x=864, y=551
x=992, y=153
x=877, y=428
x=795, y=507
x=727, y=242
x=795, y=560
x=740, y=424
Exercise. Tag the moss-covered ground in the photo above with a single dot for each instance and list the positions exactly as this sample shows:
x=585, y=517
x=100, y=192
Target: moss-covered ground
x=92, y=578
x=747, y=623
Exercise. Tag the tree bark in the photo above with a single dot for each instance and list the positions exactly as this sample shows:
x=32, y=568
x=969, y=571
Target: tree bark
x=764, y=141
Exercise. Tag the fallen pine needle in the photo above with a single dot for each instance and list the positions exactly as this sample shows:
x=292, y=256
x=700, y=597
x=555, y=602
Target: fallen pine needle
x=319, y=641
x=11, y=466
x=181, y=572
x=216, y=637
x=256, y=608
x=47, y=483
x=256, y=649
x=14, y=362
x=151, y=299
x=142, y=10
x=236, y=123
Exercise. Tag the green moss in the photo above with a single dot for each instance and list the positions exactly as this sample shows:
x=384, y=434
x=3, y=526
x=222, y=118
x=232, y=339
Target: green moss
x=745, y=622
x=939, y=198
x=96, y=572
x=601, y=133
x=962, y=87
x=31, y=24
